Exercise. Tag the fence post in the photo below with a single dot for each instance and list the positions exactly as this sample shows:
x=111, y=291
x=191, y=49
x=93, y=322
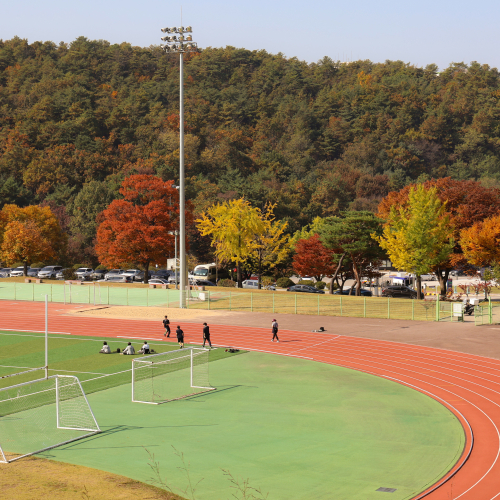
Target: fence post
x=341, y=305
x=437, y=307
x=274, y=293
x=251, y=301
x=229, y=300
x=89, y=293
x=364, y=307
x=318, y=304
x=33, y=292
x=51, y=292
x=412, y=309
x=208, y=296
x=451, y=311
x=147, y=297
x=388, y=308
x=14, y=290
x=490, y=308
x=127, y=296
x=108, y=287
x=295, y=303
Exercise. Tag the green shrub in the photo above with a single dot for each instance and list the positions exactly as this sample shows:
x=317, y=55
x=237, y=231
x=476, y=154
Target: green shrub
x=306, y=282
x=100, y=266
x=266, y=281
x=320, y=285
x=37, y=264
x=226, y=282
x=77, y=266
x=69, y=274
x=284, y=282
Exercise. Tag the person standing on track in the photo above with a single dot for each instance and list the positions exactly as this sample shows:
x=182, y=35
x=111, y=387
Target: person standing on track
x=180, y=336
x=166, y=325
x=275, y=330
x=206, y=335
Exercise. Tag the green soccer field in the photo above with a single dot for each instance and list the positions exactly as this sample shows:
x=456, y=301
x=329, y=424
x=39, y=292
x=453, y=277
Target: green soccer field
x=296, y=429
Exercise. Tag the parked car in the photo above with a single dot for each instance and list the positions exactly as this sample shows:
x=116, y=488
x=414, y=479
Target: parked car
x=254, y=285
x=352, y=291
x=84, y=273
x=140, y=276
x=113, y=273
x=133, y=273
x=161, y=274
x=33, y=271
x=98, y=274
x=158, y=281
x=5, y=272
x=204, y=283
x=49, y=272
x=398, y=291
x=304, y=288
x=118, y=278
x=18, y=271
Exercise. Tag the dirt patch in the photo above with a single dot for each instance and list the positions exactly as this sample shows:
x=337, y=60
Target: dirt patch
x=40, y=479
x=148, y=313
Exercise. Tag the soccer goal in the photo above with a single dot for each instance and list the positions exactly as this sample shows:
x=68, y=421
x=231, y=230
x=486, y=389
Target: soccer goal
x=164, y=377
x=43, y=414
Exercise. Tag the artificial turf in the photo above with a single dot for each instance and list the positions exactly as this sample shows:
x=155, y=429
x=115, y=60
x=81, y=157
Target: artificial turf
x=296, y=429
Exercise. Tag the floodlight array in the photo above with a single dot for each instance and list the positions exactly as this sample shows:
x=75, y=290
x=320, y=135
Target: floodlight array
x=181, y=41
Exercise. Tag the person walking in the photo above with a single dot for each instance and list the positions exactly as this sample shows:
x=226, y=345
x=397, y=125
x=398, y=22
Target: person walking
x=206, y=335
x=166, y=325
x=275, y=331
x=180, y=336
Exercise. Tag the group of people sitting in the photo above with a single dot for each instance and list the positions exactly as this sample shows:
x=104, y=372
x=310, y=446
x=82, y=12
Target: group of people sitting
x=128, y=350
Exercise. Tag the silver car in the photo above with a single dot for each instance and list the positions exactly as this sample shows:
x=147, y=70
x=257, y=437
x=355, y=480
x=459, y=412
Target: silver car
x=49, y=272
x=84, y=273
x=18, y=271
x=113, y=273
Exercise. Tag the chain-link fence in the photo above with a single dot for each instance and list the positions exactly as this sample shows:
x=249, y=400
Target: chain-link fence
x=252, y=301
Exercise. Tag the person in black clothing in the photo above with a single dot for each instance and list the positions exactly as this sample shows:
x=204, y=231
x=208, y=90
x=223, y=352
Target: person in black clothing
x=206, y=335
x=166, y=325
x=180, y=336
x=275, y=331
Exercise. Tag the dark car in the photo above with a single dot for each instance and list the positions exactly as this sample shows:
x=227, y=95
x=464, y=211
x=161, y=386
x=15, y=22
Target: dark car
x=33, y=272
x=397, y=291
x=204, y=283
x=352, y=291
x=304, y=288
x=162, y=274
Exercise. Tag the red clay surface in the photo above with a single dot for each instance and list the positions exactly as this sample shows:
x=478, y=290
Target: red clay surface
x=469, y=384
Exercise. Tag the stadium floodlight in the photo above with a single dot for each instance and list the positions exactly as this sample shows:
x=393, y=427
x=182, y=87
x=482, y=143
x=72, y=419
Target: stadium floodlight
x=169, y=376
x=174, y=47
x=43, y=414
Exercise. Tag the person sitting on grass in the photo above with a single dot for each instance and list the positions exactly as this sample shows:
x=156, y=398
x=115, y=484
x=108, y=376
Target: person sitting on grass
x=129, y=349
x=105, y=349
x=145, y=348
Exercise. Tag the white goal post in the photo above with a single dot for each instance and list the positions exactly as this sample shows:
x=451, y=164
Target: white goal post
x=43, y=414
x=171, y=375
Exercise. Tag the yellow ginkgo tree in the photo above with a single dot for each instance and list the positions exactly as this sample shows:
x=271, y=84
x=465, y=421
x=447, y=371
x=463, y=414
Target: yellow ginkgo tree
x=419, y=236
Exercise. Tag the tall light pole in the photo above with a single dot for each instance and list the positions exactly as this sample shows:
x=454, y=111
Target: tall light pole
x=178, y=42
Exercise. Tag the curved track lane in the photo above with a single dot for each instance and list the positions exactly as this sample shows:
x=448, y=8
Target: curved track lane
x=467, y=384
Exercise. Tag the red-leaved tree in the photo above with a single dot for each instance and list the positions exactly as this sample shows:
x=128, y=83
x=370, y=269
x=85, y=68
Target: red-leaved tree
x=312, y=258
x=138, y=228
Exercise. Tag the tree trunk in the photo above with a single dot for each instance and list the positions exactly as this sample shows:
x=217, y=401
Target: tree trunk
x=442, y=275
x=419, y=287
x=238, y=275
x=25, y=269
x=146, y=273
x=334, y=278
x=357, y=278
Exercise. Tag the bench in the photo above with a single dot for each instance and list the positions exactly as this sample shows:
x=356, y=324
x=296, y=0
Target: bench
x=74, y=282
x=154, y=285
x=35, y=280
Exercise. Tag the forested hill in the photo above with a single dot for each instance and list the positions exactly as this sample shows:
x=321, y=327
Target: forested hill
x=313, y=138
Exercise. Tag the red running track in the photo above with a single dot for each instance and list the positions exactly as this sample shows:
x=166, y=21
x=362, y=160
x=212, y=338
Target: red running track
x=467, y=384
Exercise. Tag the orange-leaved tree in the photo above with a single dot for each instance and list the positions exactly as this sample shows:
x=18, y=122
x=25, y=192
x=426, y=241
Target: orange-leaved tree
x=139, y=228
x=30, y=234
x=481, y=242
x=312, y=258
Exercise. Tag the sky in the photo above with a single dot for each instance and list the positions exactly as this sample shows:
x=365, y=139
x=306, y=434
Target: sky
x=420, y=33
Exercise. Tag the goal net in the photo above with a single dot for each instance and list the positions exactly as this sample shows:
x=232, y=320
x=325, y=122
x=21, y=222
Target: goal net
x=43, y=414
x=171, y=375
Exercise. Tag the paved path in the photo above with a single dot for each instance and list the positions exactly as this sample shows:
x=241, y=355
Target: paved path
x=457, y=364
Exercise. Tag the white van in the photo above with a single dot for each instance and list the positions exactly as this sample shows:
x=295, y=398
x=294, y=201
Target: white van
x=204, y=272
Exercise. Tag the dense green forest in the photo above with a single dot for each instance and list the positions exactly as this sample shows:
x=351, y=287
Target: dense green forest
x=76, y=118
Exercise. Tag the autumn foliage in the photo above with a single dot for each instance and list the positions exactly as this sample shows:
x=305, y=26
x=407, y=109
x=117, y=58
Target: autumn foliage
x=481, y=242
x=312, y=258
x=136, y=228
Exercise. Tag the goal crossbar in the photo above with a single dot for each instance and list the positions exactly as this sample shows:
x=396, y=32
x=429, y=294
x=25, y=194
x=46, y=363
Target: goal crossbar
x=169, y=376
